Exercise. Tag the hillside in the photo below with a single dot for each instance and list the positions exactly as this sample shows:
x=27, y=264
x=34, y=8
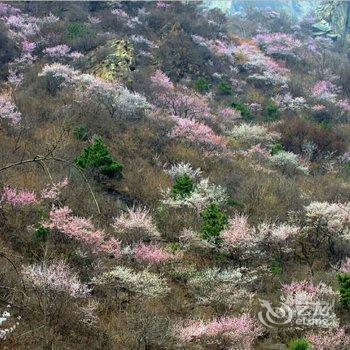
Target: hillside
x=172, y=177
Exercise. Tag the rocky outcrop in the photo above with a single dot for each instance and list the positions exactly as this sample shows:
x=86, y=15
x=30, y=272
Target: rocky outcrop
x=334, y=20
x=118, y=64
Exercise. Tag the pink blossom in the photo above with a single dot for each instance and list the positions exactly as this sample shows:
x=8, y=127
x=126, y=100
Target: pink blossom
x=120, y=13
x=217, y=47
x=161, y=80
x=9, y=111
x=6, y=9
x=278, y=43
x=336, y=339
x=163, y=5
x=180, y=100
x=229, y=114
x=238, y=231
x=344, y=105
x=28, y=46
x=242, y=330
x=325, y=90
x=345, y=266
x=14, y=77
x=82, y=230
x=18, y=198
x=258, y=149
x=319, y=107
x=152, y=254
x=297, y=287
x=111, y=247
x=194, y=131
x=263, y=67
x=61, y=51
x=54, y=191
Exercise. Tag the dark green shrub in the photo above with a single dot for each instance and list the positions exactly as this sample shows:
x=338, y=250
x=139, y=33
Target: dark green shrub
x=344, y=289
x=245, y=111
x=225, y=88
x=42, y=232
x=272, y=112
x=276, y=148
x=183, y=187
x=276, y=268
x=213, y=222
x=299, y=344
x=76, y=30
x=81, y=133
x=97, y=156
x=201, y=85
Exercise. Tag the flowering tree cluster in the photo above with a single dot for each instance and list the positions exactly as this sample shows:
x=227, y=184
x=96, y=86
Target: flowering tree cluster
x=143, y=282
x=116, y=99
x=54, y=191
x=289, y=163
x=196, y=132
x=9, y=111
x=178, y=100
x=216, y=46
x=152, y=254
x=279, y=44
x=18, y=198
x=336, y=339
x=56, y=276
x=136, y=219
x=241, y=331
x=261, y=67
x=298, y=294
x=7, y=325
x=253, y=133
x=325, y=90
x=202, y=193
x=82, y=230
x=62, y=51
x=223, y=287
x=288, y=102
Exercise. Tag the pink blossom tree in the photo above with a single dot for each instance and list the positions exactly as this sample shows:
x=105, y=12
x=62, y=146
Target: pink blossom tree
x=82, y=230
x=9, y=111
x=241, y=331
x=18, y=198
x=196, y=132
x=152, y=254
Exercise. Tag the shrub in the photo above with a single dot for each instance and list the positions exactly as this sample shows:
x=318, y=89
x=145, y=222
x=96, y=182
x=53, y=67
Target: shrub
x=183, y=187
x=299, y=344
x=76, y=30
x=201, y=84
x=81, y=133
x=272, y=112
x=97, y=156
x=42, y=232
x=213, y=222
x=344, y=289
x=143, y=282
x=245, y=111
x=295, y=132
x=276, y=148
x=251, y=133
x=225, y=88
x=288, y=162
